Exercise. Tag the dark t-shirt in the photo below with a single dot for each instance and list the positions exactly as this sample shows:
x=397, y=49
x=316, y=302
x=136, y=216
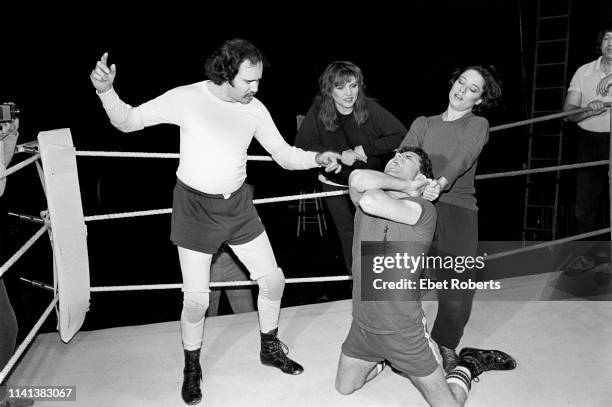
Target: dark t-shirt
x=385, y=317
x=454, y=148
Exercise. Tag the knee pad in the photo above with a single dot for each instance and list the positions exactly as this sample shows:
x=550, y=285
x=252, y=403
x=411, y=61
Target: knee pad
x=271, y=285
x=195, y=306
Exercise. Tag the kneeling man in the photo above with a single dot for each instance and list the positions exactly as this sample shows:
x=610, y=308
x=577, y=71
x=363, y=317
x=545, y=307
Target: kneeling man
x=390, y=327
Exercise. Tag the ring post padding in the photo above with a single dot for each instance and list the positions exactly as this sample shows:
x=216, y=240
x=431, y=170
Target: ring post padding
x=68, y=232
x=2, y=178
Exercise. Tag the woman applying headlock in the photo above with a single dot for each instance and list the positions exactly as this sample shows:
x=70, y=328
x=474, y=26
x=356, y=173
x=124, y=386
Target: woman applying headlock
x=454, y=140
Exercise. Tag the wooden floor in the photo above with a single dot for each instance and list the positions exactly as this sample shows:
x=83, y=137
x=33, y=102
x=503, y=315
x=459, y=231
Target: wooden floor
x=562, y=344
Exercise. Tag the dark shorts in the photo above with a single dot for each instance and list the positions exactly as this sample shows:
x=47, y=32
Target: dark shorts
x=409, y=352
x=202, y=222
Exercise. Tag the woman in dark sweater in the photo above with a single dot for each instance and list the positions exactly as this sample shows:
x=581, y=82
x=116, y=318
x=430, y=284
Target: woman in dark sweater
x=344, y=120
x=454, y=140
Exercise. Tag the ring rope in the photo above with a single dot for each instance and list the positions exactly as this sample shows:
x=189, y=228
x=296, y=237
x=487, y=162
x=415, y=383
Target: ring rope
x=344, y=192
x=120, y=215
x=123, y=154
x=23, y=249
x=306, y=196
x=144, y=287
x=38, y=284
x=30, y=218
x=547, y=244
x=544, y=118
x=268, y=158
x=169, y=210
x=20, y=165
x=300, y=196
x=541, y=170
x=28, y=339
x=7, y=368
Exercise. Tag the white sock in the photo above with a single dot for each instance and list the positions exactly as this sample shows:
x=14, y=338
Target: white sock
x=460, y=376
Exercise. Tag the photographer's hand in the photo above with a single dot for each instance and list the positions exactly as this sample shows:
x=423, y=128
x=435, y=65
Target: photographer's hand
x=102, y=77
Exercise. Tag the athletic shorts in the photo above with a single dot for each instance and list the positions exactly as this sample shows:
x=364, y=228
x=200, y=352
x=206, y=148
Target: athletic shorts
x=202, y=222
x=409, y=352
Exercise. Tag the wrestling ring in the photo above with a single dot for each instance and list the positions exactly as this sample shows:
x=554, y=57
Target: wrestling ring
x=561, y=344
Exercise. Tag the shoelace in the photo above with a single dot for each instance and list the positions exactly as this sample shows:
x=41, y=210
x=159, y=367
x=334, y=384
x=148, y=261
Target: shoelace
x=194, y=370
x=280, y=347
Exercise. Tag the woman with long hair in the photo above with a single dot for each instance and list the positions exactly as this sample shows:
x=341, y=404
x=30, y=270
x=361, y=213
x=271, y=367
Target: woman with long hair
x=344, y=120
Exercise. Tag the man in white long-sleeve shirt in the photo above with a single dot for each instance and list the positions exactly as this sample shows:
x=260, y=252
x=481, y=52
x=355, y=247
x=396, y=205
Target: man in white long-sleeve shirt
x=212, y=205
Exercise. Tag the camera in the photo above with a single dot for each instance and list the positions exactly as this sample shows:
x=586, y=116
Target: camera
x=8, y=112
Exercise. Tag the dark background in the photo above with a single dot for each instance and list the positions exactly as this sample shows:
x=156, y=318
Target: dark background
x=407, y=55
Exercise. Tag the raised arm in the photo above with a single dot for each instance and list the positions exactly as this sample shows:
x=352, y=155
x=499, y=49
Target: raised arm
x=102, y=77
x=388, y=205
x=123, y=116
x=361, y=181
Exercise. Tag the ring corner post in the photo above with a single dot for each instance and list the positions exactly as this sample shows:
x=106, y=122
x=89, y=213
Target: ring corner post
x=68, y=230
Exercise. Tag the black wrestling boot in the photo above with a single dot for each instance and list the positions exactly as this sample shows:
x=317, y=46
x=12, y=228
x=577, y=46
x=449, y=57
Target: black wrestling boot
x=449, y=358
x=479, y=360
x=274, y=353
x=192, y=376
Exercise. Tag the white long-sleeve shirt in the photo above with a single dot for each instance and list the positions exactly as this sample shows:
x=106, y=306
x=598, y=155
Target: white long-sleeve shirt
x=215, y=134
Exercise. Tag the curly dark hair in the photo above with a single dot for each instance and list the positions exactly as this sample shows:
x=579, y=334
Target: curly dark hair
x=223, y=64
x=336, y=74
x=492, y=91
x=425, y=168
x=605, y=28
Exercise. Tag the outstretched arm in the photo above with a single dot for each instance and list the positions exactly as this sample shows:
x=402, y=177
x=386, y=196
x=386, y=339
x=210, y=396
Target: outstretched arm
x=121, y=114
x=287, y=156
x=329, y=160
x=163, y=109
